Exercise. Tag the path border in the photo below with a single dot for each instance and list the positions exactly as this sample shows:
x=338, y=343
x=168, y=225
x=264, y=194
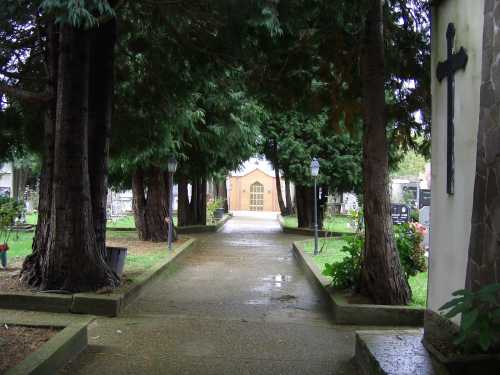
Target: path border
x=63, y=347
x=191, y=229
x=357, y=314
x=110, y=304
x=309, y=232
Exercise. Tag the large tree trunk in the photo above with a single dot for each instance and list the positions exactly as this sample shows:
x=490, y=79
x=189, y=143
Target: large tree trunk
x=99, y=124
x=288, y=198
x=381, y=276
x=305, y=206
x=139, y=203
x=150, y=204
x=72, y=259
x=183, y=202
x=19, y=180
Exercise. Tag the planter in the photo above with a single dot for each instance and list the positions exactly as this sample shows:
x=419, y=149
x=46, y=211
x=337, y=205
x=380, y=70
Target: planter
x=115, y=257
x=218, y=213
x=3, y=254
x=462, y=364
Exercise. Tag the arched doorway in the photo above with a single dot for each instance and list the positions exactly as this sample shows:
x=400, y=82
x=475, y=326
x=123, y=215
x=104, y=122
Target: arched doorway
x=256, y=197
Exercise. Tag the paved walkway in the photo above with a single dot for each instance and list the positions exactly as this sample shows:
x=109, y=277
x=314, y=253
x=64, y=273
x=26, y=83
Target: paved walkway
x=238, y=304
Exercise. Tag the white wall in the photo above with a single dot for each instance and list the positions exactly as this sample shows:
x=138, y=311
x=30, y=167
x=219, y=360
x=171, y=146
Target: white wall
x=451, y=215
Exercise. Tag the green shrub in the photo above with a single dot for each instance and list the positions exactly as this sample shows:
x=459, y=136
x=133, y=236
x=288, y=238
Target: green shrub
x=213, y=205
x=480, y=326
x=345, y=274
x=9, y=210
x=408, y=239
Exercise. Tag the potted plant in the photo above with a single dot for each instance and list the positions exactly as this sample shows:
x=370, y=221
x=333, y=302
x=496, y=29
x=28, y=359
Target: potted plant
x=216, y=209
x=475, y=348
x=9, y=210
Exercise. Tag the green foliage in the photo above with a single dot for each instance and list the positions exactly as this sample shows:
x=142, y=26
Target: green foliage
x=213, y=205
x=411, y=165
x=78, y=13
x=480, y=325
x=9, y=210
x=345, y=274
x=411, y=252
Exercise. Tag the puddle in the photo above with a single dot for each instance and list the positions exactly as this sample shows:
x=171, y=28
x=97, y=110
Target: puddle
x=272, y=282
x=257, y=302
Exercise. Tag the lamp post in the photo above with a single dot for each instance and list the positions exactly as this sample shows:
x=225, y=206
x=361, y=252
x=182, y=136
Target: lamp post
x=314, y=173
x=172, y=167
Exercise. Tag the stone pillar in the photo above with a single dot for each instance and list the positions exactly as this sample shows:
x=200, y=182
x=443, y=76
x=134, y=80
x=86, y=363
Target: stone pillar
x=484, y=250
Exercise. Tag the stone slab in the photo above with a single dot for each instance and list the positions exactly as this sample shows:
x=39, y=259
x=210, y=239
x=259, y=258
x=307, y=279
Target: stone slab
x=191, y=229
x=394, y=352
x=36, y=301
x=357, y=314
x=55, y=353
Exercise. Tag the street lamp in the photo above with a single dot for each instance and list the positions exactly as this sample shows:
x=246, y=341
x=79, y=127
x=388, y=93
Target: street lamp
x=172, y=167
x=314, y=173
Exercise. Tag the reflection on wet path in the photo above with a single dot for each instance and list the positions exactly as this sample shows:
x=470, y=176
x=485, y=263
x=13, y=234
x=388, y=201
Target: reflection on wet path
x=246, y=270
x=237, y=304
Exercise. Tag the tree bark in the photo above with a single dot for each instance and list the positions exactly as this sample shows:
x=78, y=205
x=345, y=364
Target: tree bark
x=150, y=204
x=70, y=257
x=279, y=193
x=99, y=123
x=183, y=202
x=288, y=198
x=305, y=206
x=381, y=276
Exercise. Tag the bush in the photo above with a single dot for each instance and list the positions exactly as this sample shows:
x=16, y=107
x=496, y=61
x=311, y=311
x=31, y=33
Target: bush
x=345, y=274
x=9, y=210
x=213, y=205
x=411, y=252
x=480, y=327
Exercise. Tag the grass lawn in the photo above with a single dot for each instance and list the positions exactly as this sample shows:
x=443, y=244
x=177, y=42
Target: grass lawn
x=331, y=253
x=118, y=222
x=339, y=224
x=141, y=255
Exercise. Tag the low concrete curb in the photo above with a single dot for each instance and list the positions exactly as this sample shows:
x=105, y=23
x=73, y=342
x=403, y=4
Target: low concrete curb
x=190, y=229
x=357, y=314
x=307, y=231
x=55, y=353
x=91, y=303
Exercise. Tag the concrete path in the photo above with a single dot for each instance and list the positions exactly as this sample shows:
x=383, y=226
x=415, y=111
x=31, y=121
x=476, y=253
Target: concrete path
x=238, y=304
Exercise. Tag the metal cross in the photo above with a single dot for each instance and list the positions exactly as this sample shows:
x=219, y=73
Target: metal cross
x=448, y=68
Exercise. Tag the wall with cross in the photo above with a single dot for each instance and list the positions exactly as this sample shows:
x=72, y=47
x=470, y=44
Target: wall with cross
x=451, y=213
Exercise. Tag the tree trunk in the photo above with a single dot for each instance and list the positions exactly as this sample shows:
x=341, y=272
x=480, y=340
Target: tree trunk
x=19, y=180
x=139, y=204
x=66, y=254
x=150, y=204
x=99, y=124
x=183, y=203
x=381, y=276
x=223, y=190
x=288, y=198
x=279, y=193
x=305, y=206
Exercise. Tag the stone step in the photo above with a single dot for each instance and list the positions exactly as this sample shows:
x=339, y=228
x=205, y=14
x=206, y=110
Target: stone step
x=394, y=352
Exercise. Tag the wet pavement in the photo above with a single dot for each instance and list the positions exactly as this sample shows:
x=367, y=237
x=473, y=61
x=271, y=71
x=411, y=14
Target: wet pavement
x=237, y=304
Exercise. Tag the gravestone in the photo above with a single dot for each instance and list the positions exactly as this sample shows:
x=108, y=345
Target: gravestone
x=424, y=198
x=400, y=213
x=424, y=218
